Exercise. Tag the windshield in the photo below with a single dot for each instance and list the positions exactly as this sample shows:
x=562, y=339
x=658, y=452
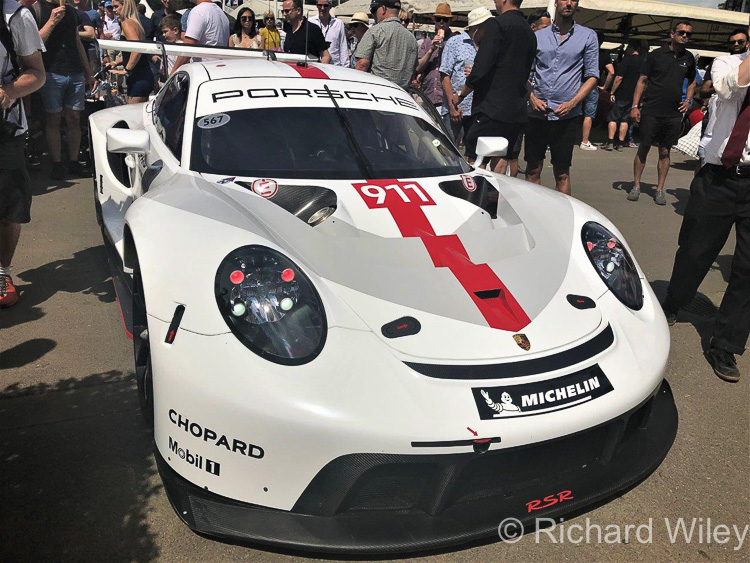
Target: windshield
x=311, y=142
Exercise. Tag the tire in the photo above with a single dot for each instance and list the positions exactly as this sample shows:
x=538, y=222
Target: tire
x=142, y=350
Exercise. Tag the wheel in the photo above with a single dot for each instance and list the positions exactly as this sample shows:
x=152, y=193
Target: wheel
x=142, y=350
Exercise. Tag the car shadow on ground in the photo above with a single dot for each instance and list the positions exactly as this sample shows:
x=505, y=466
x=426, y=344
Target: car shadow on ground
x=701, y=312
x=79, y=448
x=85, y=272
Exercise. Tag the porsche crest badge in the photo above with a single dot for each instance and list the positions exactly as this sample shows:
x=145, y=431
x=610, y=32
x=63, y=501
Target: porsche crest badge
x=522, y=341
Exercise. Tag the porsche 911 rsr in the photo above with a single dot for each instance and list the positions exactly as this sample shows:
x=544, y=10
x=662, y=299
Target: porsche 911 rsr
x=351, y=340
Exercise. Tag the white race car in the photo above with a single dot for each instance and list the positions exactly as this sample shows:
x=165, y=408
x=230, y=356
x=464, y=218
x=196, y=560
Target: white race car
x=349, y=339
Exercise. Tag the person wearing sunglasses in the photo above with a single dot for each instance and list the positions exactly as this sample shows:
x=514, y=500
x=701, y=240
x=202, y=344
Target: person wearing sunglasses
x=736, y=44
x=660, y=119
x=355, y=31
x=269, y=33
x=431, y=52
x=245, y=35
x=302, y=37
x=387, y=49
x=333, y=32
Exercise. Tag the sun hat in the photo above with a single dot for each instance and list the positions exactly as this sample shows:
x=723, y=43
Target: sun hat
x=443, y=10
x=479, y=15
x=360, y=17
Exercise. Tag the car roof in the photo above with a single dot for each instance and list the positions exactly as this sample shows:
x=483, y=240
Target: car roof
x=263, y=68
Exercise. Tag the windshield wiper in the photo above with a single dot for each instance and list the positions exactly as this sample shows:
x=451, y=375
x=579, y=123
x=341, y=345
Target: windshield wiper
x=364, y=166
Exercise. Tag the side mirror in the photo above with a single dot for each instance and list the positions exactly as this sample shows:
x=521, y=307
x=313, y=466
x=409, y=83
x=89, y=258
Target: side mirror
x=128, y=141
x=490, y=147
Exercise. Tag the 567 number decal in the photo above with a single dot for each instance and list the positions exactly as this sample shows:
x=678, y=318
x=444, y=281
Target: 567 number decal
x=212, y=121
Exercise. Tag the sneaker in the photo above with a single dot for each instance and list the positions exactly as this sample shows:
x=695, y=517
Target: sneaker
x=58, y=171
x=659, y=198
x=77, y=168
x=607, y=146
x=670, y=315
x=724, y=364
x=587, y=147
x=8, y=293
x=634, y=194
x=632, y=145
x=618, y=147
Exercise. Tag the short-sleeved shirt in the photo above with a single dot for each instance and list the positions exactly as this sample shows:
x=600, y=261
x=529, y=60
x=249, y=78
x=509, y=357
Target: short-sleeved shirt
x=431, y=74
x=666, y=72
x=85, y=21
x=561, y=67
x=184, y=19
x=96, y=19
x=391, y=50
x=605, y=59
x=61, y=55
x=458, y=53
x=271, y=38
x=308, y=34
x=630, y=71
x=112, y=25
x=208, y=25
x=26, y=42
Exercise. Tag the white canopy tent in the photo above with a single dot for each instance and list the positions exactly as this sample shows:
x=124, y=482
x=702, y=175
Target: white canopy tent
x=620, y=20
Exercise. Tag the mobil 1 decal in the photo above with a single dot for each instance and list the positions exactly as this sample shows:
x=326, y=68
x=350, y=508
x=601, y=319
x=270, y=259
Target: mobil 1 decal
x=529, y=399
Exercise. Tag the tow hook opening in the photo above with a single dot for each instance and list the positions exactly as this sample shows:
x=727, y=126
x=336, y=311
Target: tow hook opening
x=481, y=445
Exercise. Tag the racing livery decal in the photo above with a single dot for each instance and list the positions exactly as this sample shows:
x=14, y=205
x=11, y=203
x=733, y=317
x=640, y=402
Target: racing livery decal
x=522, y=341
x=404, y=201
x=469, y=184
x=265, y=188
x=218, y=440
x=212, y=467
x=528, y=399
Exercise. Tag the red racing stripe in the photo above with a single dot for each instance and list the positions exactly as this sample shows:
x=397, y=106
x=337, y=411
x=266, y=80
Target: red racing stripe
x=308, y=71
x=404, y=201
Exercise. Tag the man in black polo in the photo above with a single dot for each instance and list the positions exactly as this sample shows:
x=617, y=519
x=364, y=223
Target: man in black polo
x=663, y=72
x=498, y=78
x=626, y=78
x=301, y=37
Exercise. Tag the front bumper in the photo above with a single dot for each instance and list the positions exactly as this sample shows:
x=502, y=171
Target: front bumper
x=389, y=503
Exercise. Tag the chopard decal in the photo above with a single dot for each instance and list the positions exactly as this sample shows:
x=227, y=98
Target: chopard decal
x=213, y=437
x=528, y=399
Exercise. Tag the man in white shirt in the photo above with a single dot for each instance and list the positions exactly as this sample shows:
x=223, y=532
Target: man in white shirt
x=208, y=26
x=333, y=32
x=720, y=200
x=20, y=75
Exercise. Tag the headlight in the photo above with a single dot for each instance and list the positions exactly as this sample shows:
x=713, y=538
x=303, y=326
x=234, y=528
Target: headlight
x=270, y=305
x=613, y=264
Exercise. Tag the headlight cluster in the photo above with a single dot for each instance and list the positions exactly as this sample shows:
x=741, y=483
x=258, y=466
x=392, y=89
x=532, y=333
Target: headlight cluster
x=613, y=264
x=270, y=305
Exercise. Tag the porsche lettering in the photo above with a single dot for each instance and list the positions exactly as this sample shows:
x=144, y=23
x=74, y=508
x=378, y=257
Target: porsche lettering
x=219, y=440
x=355, y=95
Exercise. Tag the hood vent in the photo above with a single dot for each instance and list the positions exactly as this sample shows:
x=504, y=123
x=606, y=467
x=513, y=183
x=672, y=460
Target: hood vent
x=311, y=204
x=485, y=195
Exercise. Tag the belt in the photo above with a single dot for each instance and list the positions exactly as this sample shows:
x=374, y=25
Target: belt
x=739, y=171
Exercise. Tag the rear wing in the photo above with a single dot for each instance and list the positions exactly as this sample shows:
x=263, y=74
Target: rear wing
x=185, y=50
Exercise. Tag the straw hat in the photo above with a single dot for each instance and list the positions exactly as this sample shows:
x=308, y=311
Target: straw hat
x=361, y=17
x=443, y=10
x=479, y=15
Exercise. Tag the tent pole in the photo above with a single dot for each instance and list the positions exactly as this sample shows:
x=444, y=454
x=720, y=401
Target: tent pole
x=551, y=9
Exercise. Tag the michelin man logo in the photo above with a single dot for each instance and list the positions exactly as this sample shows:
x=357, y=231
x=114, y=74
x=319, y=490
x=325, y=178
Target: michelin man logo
x=505, y=404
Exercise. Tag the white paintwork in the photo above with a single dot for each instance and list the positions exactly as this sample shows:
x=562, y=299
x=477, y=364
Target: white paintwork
x=487, y=147
x=358, y=395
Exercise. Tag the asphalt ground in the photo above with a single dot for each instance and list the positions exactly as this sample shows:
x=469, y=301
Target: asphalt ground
x=78, y=479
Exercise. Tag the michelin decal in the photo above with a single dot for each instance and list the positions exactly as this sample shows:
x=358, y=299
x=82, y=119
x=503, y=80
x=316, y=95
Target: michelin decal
x=528, y=399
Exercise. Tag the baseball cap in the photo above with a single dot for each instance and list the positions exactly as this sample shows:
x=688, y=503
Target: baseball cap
x=108, y=4
x=375, y=4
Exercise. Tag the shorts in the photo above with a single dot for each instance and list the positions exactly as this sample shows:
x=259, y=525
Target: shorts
x=140, y=83
x=519, y=142
x=483, y=126
x=63, y=91
x=15, y=187
x=660, y=131
x=560, y=136
x=620, y=112
x=590, y=103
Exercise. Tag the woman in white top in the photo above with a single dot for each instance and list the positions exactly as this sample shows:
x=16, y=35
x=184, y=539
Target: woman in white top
x=246, y=35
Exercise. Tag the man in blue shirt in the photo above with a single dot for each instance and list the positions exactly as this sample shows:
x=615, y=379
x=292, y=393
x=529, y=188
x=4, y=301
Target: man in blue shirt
x=565, y=71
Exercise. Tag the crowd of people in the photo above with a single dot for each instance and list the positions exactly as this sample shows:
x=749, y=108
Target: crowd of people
x=533, y=81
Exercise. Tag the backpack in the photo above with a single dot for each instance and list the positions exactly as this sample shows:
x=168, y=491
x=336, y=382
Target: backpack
x=7, y=40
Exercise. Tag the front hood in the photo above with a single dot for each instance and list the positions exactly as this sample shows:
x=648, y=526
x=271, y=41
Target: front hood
x=472, y=274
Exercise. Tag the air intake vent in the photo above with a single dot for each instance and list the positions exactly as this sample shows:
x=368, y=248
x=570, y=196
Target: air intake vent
x=311, y=204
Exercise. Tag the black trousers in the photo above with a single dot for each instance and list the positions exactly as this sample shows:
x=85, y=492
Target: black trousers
x=719, y=200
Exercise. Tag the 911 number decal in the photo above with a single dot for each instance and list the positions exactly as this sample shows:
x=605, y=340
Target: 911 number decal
x=212, y=121
x=388, y=194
